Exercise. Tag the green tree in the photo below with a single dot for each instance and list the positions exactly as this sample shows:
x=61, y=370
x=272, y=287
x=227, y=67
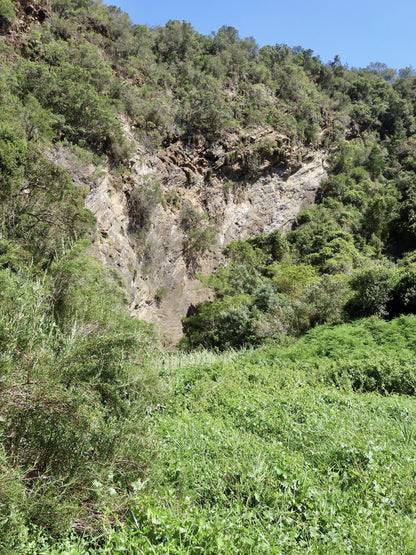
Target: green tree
x=45, y=210
x=373, y=292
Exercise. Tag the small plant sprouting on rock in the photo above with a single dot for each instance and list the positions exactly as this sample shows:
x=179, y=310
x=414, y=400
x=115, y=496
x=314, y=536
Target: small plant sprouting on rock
x=142, y=201
x=199, y=230
x=172, y=199
x=160, y=293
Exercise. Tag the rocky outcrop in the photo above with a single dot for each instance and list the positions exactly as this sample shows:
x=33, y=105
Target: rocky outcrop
x=235, y=189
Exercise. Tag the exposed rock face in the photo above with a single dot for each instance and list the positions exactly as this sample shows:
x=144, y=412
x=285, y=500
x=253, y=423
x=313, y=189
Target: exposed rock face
x=150, y=249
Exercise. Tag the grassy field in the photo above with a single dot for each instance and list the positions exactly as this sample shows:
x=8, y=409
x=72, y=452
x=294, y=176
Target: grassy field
x=309, y=447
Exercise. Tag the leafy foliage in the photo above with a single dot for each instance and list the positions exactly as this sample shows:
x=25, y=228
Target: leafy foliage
x=65, y=415
x=7, y=13
x=268, y=453
x=199, y=230
x=283, y=448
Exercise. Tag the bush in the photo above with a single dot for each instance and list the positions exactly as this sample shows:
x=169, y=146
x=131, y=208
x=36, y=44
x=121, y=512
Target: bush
x=243, y=252
x=142, y=201
x=265, y=298
x=87, y=116
x=13, y=154
x=200, y=232
x=290, y=279
x=403, y=299
x=243, y=280
x=7, y=14
x=373, y=292
x=323, y=301
x=70, y=428
x=234, y=328
x=47, y=212
x=383, y=374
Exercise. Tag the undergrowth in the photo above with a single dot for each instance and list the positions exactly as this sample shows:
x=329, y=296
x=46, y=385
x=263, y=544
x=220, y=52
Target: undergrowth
x=281, y=450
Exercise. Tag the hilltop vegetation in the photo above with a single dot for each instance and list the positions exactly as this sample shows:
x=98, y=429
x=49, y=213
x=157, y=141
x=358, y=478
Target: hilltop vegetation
x=263, y=450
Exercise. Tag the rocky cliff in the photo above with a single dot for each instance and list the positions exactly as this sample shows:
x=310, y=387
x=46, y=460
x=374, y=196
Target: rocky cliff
x=170, y=215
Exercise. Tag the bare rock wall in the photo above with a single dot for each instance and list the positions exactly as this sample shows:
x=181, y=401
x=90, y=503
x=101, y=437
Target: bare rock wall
x=158, y=268
x=159, y=278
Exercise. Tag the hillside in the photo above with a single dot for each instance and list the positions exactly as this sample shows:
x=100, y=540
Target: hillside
x=183, y=143
x=256, y=204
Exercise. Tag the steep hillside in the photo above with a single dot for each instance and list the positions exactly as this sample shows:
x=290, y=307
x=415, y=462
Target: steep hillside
x=172, y=214
x=159, y=173
x=210, y=150
x=187, y=142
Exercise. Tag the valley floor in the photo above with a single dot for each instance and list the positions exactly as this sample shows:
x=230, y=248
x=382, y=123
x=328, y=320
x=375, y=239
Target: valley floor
x=308, y=447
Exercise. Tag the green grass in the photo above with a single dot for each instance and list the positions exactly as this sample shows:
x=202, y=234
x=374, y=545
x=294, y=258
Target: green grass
x=281, y=450
x=175, y=360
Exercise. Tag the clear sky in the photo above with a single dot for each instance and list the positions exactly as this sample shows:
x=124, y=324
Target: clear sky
x=359, y=31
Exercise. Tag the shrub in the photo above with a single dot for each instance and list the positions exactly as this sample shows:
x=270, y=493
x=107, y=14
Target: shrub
x=265, y=298
x=47, y=211
x=323, y=300
x=403, y=300
x=160, y=293
x=7, y=14
x=13, y=154
x=142, y=201
x=200, y=231
x=373, y=292
x=234, y=328
x=243, y=279
x=68, y=352
x=243, y=252
x=290, y=279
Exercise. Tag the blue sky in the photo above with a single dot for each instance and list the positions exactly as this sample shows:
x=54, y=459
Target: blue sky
x=360, y=32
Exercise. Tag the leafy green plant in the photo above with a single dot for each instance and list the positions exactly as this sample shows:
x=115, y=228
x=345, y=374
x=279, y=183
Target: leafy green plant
x=245, y=451
x=373, y=289
x=200, y=231
x=160, y=293
x=406, y=426
x=7, y=13
x=143, y=199
x=64, y=412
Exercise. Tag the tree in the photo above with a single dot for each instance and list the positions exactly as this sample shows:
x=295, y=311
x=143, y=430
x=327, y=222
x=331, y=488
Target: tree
x=65, y=8
x=373, y=292
x=45, y=210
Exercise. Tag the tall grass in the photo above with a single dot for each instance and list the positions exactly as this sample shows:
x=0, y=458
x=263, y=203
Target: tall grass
x=279, y=450
x=73, y=402
x=178, y=359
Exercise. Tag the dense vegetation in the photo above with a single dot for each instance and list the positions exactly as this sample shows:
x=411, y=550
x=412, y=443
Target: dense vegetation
x=305, y=447
x=302, y=444
x=350, y=255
